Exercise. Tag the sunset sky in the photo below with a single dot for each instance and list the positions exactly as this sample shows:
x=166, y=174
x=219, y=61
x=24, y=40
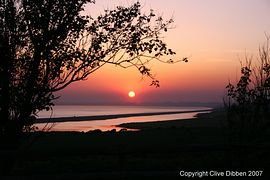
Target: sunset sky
x=214, y=34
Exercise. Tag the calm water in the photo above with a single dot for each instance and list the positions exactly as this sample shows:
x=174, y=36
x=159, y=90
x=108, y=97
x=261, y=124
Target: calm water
x=104, y=125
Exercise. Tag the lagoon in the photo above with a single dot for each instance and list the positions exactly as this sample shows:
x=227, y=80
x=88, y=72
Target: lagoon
x=87, y=117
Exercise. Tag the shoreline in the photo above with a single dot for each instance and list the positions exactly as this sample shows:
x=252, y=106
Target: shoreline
x=159, y=147
x=114, y=116
x=214, y=119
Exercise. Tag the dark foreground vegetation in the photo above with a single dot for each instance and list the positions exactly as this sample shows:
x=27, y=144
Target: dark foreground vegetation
x=159, y=151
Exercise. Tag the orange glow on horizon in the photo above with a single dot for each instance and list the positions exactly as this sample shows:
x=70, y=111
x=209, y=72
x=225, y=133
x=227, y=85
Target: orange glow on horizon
x=213, y=40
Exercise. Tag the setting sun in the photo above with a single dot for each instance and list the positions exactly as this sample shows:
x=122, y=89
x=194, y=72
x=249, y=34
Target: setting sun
x=131, y=94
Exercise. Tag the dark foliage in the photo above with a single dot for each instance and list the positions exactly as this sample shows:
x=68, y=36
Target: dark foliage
x=248, y=102
x=45, y=45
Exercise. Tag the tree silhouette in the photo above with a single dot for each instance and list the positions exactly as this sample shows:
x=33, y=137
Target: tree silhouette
x=45, y=45
x=248, y=101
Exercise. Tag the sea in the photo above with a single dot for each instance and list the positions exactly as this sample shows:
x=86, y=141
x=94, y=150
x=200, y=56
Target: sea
x=110, y=124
